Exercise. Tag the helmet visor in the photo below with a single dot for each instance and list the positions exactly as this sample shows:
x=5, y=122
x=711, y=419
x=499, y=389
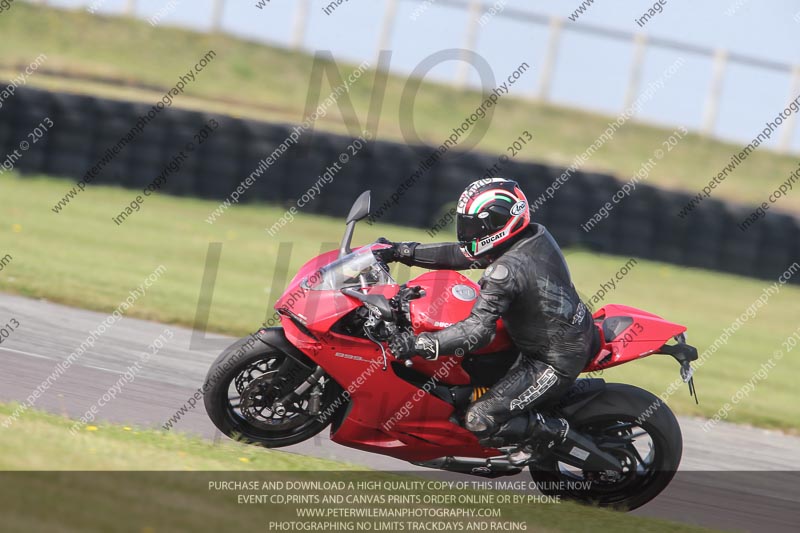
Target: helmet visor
x=470, y=227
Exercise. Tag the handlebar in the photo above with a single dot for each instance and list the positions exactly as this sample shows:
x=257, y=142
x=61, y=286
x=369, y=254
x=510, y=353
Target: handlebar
x=376, y=303
x=389, y=311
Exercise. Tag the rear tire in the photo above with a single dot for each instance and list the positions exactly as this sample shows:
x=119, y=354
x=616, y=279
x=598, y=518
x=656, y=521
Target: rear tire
x=244, y=381
x=617, y=414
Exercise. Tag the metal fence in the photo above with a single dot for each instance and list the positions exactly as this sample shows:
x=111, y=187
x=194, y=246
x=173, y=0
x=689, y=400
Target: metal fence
x=720, y=59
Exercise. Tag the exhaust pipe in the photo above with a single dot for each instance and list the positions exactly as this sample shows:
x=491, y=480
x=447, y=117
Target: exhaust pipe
x=490, y=468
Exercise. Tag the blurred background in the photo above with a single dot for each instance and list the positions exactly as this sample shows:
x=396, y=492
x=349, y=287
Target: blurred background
x=577, y=69
x=702, y=80
x=741, y=59
x=176, y=137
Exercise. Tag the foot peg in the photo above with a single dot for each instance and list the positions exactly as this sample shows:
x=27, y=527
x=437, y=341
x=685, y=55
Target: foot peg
x=521, y=456
x=547, y=434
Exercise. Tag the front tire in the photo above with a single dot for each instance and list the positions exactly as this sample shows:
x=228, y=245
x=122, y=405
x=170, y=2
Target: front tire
x=244, y=382
x=637, y=427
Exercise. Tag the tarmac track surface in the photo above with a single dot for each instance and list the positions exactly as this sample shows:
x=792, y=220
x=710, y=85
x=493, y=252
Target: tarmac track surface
x=734, y=477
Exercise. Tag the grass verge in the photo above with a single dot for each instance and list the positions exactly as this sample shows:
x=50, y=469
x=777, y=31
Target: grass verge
x=129, y=480
x=81, y=258
x=242, y=81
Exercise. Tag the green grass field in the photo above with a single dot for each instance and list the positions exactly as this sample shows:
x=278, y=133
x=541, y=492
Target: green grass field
x=106, y=447
x=81, y=258
x=130, y=479
x=243, y=81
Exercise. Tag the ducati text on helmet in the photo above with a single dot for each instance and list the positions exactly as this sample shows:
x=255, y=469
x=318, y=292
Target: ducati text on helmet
x=490, y=213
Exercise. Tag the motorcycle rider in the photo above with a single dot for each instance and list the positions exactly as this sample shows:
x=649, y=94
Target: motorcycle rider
x=527, y=284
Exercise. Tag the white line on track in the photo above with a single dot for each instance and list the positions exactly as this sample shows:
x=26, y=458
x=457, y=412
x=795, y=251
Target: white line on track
x=27, y=353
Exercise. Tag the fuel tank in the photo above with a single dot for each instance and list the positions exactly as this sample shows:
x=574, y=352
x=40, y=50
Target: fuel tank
x=449, y=298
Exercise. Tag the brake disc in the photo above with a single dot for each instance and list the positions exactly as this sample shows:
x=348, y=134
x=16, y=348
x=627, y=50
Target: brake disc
x=246, y=376
x=257, y=400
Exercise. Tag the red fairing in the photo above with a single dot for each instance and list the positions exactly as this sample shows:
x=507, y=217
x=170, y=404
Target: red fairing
x=390, y=415
x=645, y=335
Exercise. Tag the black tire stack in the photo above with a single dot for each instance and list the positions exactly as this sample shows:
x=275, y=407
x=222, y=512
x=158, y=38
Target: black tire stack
x=645, y=224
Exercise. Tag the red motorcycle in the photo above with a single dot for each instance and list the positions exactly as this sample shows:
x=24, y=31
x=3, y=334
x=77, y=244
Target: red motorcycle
x=329, y=365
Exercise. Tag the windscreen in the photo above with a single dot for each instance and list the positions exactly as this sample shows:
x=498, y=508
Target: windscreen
x=355, y=270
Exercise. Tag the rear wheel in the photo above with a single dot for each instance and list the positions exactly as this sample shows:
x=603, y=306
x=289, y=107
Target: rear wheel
x=245, y=382
x=649, y=448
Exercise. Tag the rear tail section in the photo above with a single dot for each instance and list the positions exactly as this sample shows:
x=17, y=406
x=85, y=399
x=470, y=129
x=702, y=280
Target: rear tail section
x=628, y=334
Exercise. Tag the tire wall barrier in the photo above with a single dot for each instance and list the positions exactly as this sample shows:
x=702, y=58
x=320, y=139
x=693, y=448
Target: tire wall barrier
x=644, y=225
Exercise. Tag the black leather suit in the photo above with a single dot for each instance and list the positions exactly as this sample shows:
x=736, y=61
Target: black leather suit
x=529, y=287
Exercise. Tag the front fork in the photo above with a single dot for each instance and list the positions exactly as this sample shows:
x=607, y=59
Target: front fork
x=312, y=381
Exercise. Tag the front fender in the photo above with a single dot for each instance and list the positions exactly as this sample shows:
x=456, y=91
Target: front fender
x=276, y=338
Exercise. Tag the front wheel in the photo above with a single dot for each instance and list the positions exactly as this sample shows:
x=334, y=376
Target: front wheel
x=245, y=382
x=636, y=427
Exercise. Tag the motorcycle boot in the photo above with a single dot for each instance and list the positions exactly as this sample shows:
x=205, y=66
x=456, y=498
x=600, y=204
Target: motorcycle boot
x=544, y=434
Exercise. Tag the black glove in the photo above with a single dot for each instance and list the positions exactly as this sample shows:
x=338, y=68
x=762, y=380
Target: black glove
x=386, y=255
x=405, y=345
x=398, y=251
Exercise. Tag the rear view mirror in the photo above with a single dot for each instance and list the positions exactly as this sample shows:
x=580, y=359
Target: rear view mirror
x=360, y=209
